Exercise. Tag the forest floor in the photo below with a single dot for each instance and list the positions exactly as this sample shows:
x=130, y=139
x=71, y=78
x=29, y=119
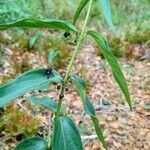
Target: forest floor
x=123, y=129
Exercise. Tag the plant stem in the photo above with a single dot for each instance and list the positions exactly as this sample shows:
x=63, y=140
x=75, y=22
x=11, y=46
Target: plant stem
x=69, y=68
x=1, y=54
x=49, y=130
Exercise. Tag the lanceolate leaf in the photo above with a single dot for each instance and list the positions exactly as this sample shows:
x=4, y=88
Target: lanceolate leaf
x=105, y=6
x=35, y=23
x=34, y=38
x=99, y=131
x=66, y=135
x=81, y=89
x=33, y=143
x=28, y=81
x=52, y=55
x=80, y=7
x=45, y=102
x=117, y=73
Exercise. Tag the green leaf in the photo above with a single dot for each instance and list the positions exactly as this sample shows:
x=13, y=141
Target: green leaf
x=89, y=109
x=35, y=23
x=52, y=55
x=45, y=102
x=66, y=135
x=34, y=39
x=99, y=131
x=105, y=6
x=31, y=80
x=33, y=143
x=117, y=73
x=81, y=89
x=80, y=7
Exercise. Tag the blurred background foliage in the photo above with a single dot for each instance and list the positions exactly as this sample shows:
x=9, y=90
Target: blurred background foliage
x=11, y=10
x=127, y=14
x=131, y=19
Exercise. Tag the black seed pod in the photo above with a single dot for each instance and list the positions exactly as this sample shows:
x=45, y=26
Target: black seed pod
x=58, y=87
x=61, y=96
x=66, y=34
x=48, y=73
x=66, y=89
x=75, y=41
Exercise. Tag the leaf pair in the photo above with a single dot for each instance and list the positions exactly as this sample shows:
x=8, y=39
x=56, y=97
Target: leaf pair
x=65, y=133
x=105, y=49
x=65, y=137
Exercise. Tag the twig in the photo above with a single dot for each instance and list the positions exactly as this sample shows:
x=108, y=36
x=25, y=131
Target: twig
x=89, y=137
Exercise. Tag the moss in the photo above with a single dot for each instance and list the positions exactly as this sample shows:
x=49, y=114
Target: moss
x=20, y=60
x=116, y=45
x=138, y=37
x=16, y=122
x=128, y=46
x=5, y=79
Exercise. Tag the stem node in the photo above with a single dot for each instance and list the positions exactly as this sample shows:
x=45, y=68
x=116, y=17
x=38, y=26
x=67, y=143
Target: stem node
x=77, y=47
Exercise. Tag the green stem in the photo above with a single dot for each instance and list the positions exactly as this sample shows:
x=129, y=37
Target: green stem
x=49, y=130
x=1, y=54
x=69, y=68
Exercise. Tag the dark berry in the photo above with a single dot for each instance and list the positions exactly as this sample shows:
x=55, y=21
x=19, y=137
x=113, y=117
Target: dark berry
x=66, y=89
x=75, y=41
x=48, y=73
x=58, y=87
x=61, y=96
x=66, y=34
